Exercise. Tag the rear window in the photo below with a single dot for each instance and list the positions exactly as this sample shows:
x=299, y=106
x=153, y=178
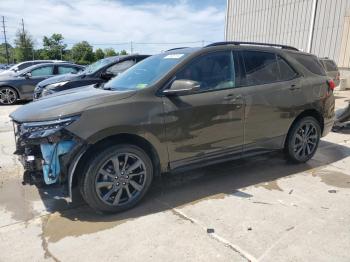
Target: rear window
x=311, y=63
x=330, y=65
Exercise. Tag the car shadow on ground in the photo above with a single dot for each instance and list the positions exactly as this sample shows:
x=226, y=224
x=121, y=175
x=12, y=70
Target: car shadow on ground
x=217, y=181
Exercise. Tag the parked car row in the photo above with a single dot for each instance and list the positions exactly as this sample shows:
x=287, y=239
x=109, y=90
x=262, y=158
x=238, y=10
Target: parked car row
x=180, y=109
x=34, y=79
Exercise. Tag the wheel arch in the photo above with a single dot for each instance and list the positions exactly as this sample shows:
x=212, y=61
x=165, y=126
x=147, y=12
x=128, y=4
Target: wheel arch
x=77, y=172
x=309, y=112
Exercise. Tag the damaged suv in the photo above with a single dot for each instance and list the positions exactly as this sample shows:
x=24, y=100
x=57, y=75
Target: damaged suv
x=184, y=108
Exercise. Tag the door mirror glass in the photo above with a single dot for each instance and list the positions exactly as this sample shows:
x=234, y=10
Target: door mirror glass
x=182, y=87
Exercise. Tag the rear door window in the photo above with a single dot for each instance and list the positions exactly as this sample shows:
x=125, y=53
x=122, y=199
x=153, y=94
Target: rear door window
x=260, y=68
x=311, y=63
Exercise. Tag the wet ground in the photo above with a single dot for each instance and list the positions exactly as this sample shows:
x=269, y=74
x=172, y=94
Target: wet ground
x=258, y=209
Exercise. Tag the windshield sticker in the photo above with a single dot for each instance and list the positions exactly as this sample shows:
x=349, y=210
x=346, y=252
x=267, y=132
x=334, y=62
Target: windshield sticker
x=173, y=56
x=140, y=86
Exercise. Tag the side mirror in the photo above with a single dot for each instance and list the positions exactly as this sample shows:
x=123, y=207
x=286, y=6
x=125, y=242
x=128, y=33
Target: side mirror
x=106, y=75
x=182, y=87
x=28, y=75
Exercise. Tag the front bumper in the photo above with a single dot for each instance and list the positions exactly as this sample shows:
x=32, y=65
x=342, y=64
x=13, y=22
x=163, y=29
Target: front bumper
x=46, y=159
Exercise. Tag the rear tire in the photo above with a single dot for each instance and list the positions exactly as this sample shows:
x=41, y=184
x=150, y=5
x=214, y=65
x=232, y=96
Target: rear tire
x=8, y=96
x=117, y=178
x=303, y=139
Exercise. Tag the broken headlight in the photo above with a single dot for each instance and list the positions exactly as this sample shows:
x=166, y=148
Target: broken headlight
x=45, y=128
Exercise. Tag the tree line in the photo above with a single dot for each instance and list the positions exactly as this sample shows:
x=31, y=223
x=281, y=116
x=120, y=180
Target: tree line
x=53, y=48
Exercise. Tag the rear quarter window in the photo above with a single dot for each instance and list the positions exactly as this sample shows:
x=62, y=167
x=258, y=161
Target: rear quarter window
x=311, y=63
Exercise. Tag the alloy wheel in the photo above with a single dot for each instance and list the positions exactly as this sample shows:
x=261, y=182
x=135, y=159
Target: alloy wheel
x=7, y=96
x=120, y=179
x=305, y=140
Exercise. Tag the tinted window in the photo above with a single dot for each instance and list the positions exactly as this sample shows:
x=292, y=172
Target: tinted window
x=43, y=71
x=24, y=65
x=330, y=65
x=286, y=71
x=311, y=63
x=213, y=71
x=120, y=67
x=67, y=70
x=260, y=68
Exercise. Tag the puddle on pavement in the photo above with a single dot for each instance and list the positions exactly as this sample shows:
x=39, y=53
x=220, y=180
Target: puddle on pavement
x=17, y=200
x=334, y=178
x=271, y=185
x=57, y=227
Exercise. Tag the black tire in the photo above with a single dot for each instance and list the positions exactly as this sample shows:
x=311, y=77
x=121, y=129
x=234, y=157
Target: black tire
x=128, y=186
x=303, y=139
x=8, y=95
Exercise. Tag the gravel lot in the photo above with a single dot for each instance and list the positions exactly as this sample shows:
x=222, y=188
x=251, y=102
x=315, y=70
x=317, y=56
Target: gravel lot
x=257, y=209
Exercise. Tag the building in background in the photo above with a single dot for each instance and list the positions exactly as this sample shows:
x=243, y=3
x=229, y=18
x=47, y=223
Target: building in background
x=321, y=27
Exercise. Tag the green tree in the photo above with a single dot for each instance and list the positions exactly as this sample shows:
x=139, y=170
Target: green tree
x=99, y=54
x=82, y=53
x=123, y=52
x=24, y=46
x=3, y=57
x=54, y=46
x=110, y=52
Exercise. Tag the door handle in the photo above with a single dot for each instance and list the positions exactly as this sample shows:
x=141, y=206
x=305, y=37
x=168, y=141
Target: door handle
x=294, y=87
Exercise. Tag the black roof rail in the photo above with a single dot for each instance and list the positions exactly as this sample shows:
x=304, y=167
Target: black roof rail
x=252, y=43
x=176, y=48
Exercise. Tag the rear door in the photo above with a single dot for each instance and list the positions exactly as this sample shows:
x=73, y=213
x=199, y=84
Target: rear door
x=269, y=86
x=37, y=75
x=207, y=125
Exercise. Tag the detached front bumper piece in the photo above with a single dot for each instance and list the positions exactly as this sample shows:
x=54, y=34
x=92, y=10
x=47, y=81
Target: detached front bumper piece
x=51, y=153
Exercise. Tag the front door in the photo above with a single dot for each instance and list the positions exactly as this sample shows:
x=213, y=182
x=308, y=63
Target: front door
x=208, y=124
x=37, y=75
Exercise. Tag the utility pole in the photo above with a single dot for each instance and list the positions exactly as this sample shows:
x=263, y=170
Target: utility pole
x=6, y=47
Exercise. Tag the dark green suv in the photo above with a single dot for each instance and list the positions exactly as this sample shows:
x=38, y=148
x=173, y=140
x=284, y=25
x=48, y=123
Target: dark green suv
x=180, y=109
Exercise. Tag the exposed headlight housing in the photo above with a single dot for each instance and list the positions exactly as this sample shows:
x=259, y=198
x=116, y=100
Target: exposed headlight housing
x=45, y=128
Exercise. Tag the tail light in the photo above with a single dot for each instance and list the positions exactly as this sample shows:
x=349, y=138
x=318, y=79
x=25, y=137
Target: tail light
x=331, y=84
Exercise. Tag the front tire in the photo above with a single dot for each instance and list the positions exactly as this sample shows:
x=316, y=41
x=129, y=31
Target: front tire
x=303, y=139
x=117, y=178
x=8, y=96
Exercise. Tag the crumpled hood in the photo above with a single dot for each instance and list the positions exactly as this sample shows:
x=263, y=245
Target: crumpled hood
x=66, y=104
x=60, y=78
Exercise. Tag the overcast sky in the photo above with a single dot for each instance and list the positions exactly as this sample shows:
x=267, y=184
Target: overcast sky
x=105, y=23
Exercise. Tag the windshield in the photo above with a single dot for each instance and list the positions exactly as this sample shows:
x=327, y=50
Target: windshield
x=90, y=69
x=145, y=73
